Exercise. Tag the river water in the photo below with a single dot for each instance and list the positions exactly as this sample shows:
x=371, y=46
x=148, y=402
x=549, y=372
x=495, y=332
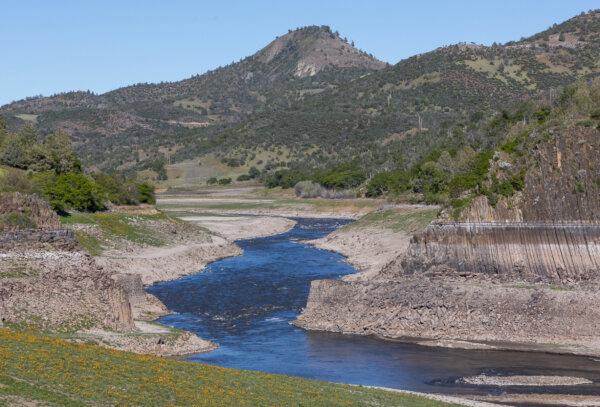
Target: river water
x=245, y=304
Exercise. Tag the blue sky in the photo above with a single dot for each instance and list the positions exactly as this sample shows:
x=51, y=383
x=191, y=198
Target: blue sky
x=60, y=45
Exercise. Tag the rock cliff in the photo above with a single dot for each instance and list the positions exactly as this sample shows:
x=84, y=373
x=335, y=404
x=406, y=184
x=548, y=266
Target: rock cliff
x=519, y=270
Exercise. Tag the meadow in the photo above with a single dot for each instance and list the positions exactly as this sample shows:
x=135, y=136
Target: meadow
x=38, y=370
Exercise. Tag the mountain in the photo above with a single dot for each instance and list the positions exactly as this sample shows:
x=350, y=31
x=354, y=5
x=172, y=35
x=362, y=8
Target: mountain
x=449, y=86
x=302, y=62
x=312, y=98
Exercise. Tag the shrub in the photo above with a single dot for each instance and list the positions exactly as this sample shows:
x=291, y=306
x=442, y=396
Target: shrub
x=13, y=180
x=284, y=178
x=15, y=220
x=74, y=191
x=253, y=172
x=225, y=181
x=344, y=177
x=146, y=193
x=388, y=181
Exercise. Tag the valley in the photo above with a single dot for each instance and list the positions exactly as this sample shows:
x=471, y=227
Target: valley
x=310, y=225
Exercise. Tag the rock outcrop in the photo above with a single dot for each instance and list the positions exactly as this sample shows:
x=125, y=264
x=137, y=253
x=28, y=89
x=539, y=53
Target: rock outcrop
x=456, y=310
x=18, y=211
x=502, y=284
x=522, y=273
x=56, y=289
x=562, y=253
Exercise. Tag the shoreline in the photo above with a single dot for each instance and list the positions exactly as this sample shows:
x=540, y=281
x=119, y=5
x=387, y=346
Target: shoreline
x=146, y=266
x=367, y=248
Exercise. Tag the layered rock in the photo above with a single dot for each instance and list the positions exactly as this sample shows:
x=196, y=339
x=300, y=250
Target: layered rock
x=56, y=289
x=549, y=253
x=458, y=309
x=46, y=279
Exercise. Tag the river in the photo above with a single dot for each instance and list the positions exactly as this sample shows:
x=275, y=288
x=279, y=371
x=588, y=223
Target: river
x=245, y=304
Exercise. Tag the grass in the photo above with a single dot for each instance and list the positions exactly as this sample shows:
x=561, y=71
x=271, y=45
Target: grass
x=51, y=371
x=397, y=220
x=31, y=118
x=115, y=225
x=90, y=243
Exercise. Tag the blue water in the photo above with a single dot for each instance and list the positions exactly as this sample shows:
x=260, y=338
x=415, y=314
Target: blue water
x=245, y=305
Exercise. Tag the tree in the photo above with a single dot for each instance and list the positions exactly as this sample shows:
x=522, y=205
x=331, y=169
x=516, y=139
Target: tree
x=14, y=152
x=3, y=132
x=253, y=172
x=146, y=193
x=158, y=166
x=61, y=155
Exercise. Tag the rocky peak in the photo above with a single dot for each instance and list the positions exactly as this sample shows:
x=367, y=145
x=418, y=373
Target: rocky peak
x=314, y=48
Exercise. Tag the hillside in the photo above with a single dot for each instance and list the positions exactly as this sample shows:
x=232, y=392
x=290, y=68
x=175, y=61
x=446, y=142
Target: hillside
x=145, y=117
x=311, y=97
x=443, y=93
x=38, y=370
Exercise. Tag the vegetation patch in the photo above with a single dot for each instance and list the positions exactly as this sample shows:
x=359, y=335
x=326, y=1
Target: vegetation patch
x=116, y=225
x=397, y=220
x=50, y=370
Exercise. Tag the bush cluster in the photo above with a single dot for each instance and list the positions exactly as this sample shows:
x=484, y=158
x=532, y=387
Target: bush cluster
x=52, y=170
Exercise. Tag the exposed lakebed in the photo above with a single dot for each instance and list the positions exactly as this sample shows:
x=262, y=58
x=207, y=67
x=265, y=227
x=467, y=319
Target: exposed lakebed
x=245, y=305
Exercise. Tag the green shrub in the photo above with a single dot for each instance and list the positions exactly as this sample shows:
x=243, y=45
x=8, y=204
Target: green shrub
x=284, y=178
x=225, y=181
x=343, y=176
x=388, y=181
x=146, y=193
x=74, y=191
x=14, y=220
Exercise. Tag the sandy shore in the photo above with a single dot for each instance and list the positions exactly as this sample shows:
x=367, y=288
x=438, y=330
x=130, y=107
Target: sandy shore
x=242, y=227
x=168, y=263
x=368, y=249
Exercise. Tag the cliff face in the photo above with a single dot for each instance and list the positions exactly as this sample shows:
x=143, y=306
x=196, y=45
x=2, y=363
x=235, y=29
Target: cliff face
x=46, y=279
x=430, y=308
x=515, y=283
x=529, y=252
x=525, y=270
x=44, y=285
x=563, y=176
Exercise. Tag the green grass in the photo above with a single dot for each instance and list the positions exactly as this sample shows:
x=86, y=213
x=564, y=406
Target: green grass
x=52, y=371
x=120, y=225
x=90, y=243
x=396, y=220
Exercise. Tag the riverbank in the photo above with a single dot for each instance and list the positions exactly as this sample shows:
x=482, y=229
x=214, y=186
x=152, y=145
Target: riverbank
x=233, y=227
x=376, y=239
x=38, y=370
x=265, y=202
x=142, y=247
x=82, y=276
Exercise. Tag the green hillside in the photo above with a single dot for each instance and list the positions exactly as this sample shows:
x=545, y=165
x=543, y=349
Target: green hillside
x=37, y=370
x=310, y=98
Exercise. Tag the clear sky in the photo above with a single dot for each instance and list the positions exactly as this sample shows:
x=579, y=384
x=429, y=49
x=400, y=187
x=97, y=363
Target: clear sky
x=59, y=45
